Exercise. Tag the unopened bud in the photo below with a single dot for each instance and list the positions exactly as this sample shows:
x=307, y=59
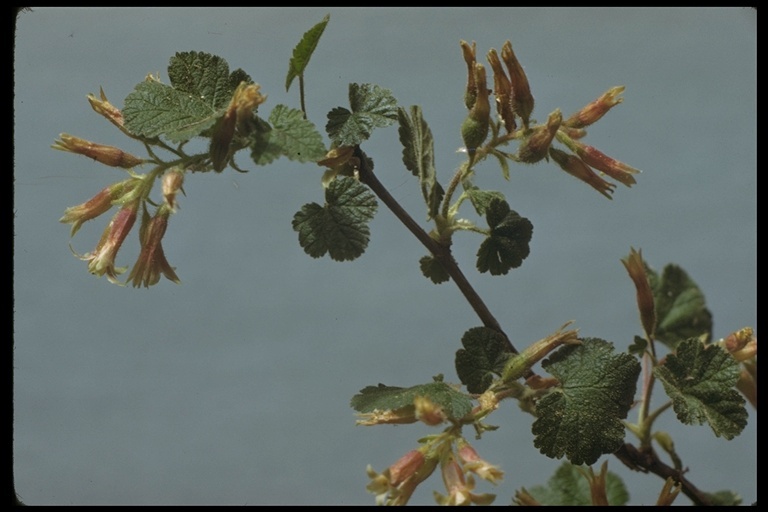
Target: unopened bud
x=599, y=161
x=106, y=109
x=645, y=303
x=469, y=53
x=522, y=100
x=428, y=412
x=474, y=129
x=520, y=363
x=172, y=182
x=502, y=90
x=107, y=155
x=535, y=146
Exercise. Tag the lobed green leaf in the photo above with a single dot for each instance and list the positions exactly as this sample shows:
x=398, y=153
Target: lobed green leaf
x=154, y=109
x=372, y=107
x=433, y=269
x=681, y=311
x=293, y=136
x=700, y=380
x=582, y=418
x=205, y=76
x=484, y=355
x=569, y=487
x=340, y=228
x=507, y=245
x=454, y=403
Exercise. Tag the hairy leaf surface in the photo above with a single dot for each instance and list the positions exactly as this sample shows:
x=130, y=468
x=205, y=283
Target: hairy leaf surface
x=340, y=227
x=700, y=380
x=582, y=418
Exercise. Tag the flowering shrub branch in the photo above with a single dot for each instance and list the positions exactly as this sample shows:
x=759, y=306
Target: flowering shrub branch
x=580, y=407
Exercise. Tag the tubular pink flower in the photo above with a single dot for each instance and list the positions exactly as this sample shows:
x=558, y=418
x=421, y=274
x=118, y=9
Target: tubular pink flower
x=574, y=166
x=107, y=155
x=106, y=109
x=522, y=99
x=152, y=262
x=597, y=109
x=599, y=161
x=472, y=462
x=102, y=260
x=97, y=205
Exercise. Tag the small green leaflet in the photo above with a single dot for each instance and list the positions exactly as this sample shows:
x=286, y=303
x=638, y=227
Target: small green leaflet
x=433, y=269
x=507, y=245
x=372, y=107
x=681, y=311
x=582, y=418
x=699, y=379
x=481, y=199
x=419, y=155
x=340, y=228
x=454, y=403
x=569, y=487
x=484, y=355
x=304, y=50
x=201, y=88
x=290, y=135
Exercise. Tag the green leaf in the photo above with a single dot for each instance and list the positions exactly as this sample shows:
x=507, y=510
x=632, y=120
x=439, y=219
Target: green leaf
x=419, y=155
x=484, y=355
x=454, y=403
x=481, y=199
x=433, y=269
x=372, y=107
x=568, y=486
x=699, y=379
x=638, y=346
x=340, y=228
x=153, y=109
x=681, y=311
x=507, y=245
x=205, y=76
x=503, y=163
x=582, y=419
x=724, y=498
x=291, y=135
x=304, y=50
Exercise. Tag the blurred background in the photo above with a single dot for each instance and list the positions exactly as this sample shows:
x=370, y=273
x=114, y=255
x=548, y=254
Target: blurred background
x=234, y=386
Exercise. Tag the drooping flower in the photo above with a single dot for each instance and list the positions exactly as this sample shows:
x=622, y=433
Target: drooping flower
x=97, y=205
x=173, y=181
x=152, y=262
x=102, y=260
x=472, y=462
x=458, y=487
x=396, y=484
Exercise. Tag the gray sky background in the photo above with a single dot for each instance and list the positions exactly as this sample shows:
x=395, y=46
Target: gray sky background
x=233, y=387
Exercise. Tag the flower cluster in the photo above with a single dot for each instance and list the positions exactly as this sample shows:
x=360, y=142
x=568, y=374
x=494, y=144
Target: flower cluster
x=514, y=100
x=459, y=464
x=130, y=196
x=127, y=195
